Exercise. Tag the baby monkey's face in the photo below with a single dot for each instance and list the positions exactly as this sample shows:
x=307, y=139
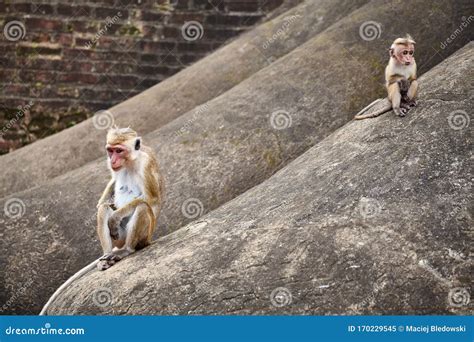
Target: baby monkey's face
x=404, y=54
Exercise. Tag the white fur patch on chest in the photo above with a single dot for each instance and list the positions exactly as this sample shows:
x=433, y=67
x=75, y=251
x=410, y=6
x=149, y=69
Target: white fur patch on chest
x=405, y=71
x=127, y=188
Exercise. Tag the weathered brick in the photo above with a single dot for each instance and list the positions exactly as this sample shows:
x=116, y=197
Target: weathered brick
x=161, y=46
x=248, y=20
x=171, y=32
x=115, y=67
x=35, y=75
x=72, y=11
x=20, y=7
x=39, y=50
x=188, y=58
x=217, y=19
x=125, y=81
x=194, y=46
x=41, y=9
x=182, y=17
x=8, y=75
x=105, y=12
x=216, y=5
x=41, y=24
x=152, y=31
x=242, y=5
x=82, y=26
x=221, y=34
x=152, y=16
x=73, y=54
x=75, y=77
x=73, y=61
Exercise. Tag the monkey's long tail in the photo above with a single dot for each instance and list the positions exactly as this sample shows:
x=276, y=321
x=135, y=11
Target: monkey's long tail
x=77, y=275
x=385, y=108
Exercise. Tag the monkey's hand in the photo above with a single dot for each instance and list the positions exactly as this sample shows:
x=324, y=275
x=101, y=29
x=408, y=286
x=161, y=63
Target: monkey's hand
x=404, y=85
x=412, y=102
x=105, y=205
x=114, y=226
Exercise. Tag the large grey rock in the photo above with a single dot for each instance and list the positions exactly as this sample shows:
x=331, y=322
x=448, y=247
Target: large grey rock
x=375, y=219
x=206, y=79
x=218, y=151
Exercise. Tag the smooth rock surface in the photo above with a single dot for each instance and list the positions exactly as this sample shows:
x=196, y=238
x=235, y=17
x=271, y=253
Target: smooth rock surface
x=216, y=152
x=375, y=219
x=204, y=80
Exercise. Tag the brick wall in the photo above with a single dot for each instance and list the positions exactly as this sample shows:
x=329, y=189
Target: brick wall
x=62, y=60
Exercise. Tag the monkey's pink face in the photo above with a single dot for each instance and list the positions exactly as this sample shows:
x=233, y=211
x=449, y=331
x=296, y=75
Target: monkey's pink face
x=118, y=155
x=404, y=54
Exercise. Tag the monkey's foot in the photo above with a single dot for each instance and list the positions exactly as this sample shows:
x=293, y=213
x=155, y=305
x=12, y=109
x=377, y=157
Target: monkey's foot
x=412, y=103
x=405, y=105
x=400, y=111
x=107, y=261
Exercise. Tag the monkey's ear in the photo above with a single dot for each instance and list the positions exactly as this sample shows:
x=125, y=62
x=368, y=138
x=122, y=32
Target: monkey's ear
x=138, y=143
x=390, y=51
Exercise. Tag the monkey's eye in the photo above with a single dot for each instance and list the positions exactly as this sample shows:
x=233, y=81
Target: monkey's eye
x=405, y=52
x=411, y=53
x=118, y=150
